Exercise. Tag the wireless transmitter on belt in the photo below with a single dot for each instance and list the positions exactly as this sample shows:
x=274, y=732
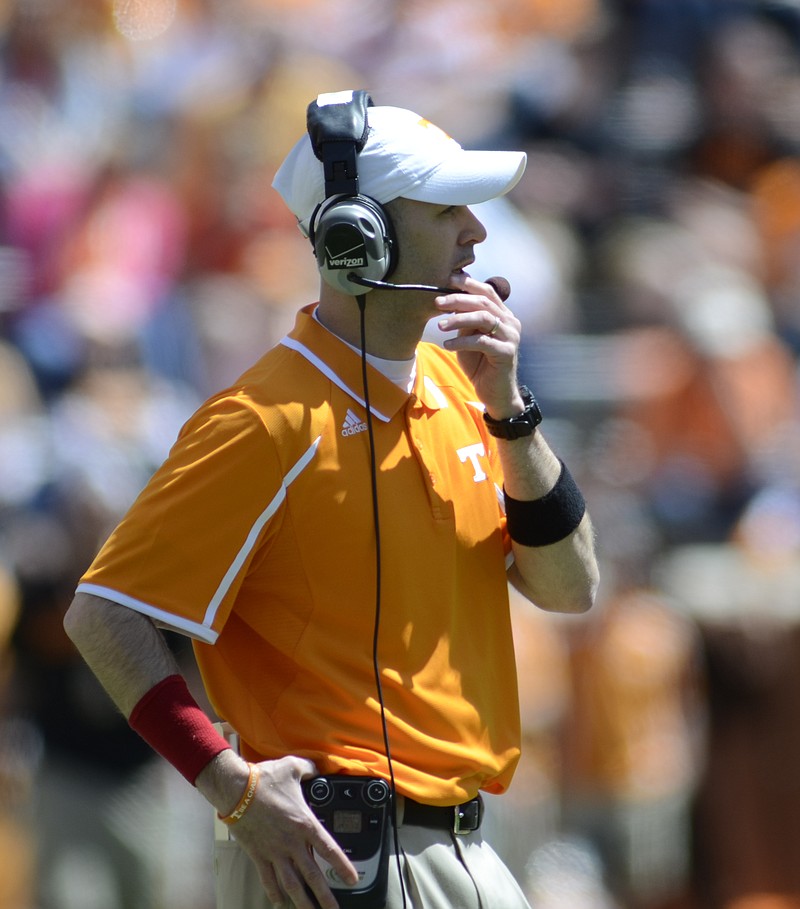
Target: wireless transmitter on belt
x=355, y=810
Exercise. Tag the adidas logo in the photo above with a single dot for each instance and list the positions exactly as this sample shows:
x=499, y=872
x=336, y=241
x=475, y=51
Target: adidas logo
x=352, y=424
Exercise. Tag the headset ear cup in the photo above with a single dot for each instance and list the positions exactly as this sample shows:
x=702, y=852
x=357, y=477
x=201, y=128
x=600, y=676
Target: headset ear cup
x=353, y=234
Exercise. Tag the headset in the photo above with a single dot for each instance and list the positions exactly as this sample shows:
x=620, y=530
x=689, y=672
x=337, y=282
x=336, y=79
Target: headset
x=352, y=234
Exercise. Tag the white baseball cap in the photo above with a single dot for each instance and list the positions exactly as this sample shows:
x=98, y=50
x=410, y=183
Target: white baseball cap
x=404, y=155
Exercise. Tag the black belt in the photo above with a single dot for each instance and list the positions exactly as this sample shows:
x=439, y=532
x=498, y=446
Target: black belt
x=460, y=819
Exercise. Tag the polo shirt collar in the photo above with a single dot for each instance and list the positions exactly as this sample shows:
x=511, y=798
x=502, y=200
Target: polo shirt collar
x=342, y=365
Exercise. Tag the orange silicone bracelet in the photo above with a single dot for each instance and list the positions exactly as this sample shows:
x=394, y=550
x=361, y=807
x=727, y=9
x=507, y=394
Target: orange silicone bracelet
x=244, y=802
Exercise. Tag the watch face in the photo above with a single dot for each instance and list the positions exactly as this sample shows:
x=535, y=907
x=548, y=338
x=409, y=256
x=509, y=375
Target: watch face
x=519, y=427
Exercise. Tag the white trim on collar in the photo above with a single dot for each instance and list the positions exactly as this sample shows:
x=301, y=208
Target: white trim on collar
x=323, y=367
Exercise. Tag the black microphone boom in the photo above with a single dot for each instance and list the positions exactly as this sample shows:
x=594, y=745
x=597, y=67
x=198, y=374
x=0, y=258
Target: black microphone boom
x=501, y=286
x=385, y=285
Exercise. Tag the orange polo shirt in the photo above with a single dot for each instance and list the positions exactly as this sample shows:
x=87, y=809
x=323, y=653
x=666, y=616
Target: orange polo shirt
x=256, y=537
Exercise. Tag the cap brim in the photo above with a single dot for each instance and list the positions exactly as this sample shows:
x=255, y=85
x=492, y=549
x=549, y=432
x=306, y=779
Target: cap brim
x=470, y=177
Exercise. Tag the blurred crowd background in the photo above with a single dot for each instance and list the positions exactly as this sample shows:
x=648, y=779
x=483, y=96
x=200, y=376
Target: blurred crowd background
x=653, y=249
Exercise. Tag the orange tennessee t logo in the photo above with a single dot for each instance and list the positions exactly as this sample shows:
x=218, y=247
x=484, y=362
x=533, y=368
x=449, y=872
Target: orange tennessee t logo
x=428, y=125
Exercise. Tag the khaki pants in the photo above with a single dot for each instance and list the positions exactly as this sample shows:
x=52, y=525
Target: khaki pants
x=440, y=871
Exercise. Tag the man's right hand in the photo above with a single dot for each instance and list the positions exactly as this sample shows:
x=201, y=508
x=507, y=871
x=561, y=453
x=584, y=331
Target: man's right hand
x=278, y=831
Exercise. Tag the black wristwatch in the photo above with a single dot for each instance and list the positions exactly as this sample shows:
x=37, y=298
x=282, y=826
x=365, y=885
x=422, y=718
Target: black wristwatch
x=522, y=424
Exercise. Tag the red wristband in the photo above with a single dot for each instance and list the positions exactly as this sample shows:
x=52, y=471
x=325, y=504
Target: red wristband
x=169, y=719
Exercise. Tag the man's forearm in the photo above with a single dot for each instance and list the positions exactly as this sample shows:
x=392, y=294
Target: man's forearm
x=530, y=467
x=561, y=576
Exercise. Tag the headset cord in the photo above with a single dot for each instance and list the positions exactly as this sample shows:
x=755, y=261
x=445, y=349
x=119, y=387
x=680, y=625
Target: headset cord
x=362, y=306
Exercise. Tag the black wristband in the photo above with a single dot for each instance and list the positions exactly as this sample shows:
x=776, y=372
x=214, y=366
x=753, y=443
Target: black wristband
x=547, y=520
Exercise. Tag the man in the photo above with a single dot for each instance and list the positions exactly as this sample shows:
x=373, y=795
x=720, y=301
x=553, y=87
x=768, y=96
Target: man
x=344, y=569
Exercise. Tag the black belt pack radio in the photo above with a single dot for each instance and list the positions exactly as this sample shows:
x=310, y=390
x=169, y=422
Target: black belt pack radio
x=356, y=811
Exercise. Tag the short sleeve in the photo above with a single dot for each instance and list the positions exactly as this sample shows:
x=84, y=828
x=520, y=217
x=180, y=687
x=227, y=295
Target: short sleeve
x=182, y=550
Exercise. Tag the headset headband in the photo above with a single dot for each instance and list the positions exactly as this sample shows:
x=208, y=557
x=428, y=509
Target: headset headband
x=338, y=128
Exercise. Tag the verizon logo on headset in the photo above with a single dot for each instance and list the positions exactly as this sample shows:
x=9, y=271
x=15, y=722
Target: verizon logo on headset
x=344, y=247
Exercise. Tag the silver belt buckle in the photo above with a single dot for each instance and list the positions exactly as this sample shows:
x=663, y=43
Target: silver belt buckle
x=467, y=817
